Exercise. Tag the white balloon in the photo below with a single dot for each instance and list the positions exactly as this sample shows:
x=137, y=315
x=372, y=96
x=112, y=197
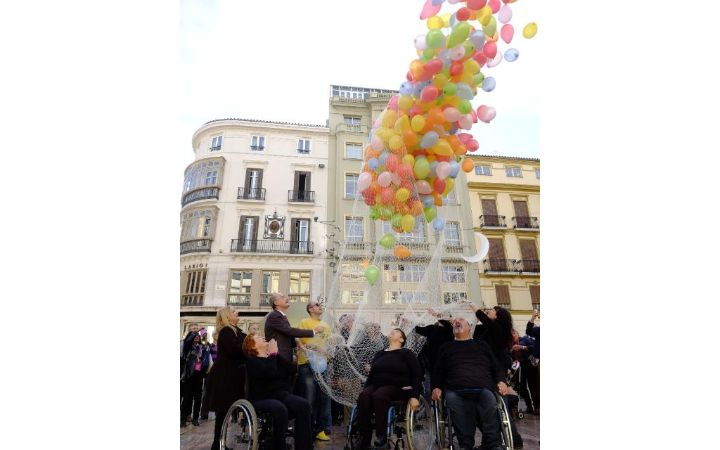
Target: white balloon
x=482, y=251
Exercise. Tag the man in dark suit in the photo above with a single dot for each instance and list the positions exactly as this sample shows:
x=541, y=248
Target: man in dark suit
x=278, y=327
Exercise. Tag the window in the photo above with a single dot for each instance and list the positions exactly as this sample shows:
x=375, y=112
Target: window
x=352, y=272
x=454, y=297
x=216, y=143
x=352, y=121
x=537, y=173
x=451, y=198
x=452, y=233
x=502, y=293
x=535, y=296
x=483, y=170
x=240, y=284
x=405, y=297
x=453, y=274
x=353, y=297
x=194, y=287
x=258, y=143
x=299, y=287
x=349, y=92
x=351, y=180
x=300, y=236
x=404, y=273
x=354, y=231
x=197, y=224
x=270, y=284
x=202, y=174
x=416, y=235
x=353, y=150
x=303, y=146
x=513, y=172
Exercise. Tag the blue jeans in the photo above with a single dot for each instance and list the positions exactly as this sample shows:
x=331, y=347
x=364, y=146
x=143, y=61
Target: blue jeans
x=464, y=410
x=318, y=399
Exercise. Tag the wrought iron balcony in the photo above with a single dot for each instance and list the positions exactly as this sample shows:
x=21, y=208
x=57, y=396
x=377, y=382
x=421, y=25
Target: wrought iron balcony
x=271, y=246
x=196, y=245
x=251, y=193
x=200, y=194
x=351, y=128
x=527, y=223
x=257, y=147
x=499, y=265
x=239, y=300
x=301, y=196
x=528, y=265
x=192, y=300
x=216, y=148
x=454, y=248
x=414, y=245
x=358, y=245
x=487, y=221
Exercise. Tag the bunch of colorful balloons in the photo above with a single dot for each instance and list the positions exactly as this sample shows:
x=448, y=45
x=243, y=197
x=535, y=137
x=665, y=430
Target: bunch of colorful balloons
x=417, y=145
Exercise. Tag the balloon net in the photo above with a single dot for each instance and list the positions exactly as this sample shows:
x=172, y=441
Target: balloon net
x=416, y=153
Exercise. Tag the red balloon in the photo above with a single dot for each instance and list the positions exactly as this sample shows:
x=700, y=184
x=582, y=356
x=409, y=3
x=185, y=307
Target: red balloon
x=494, y=5
x=387, y=196
x=490, y=50
x=476, y=4
x=434, y=66
x=472, y=145
x=429, y=93
x=439, y=185
x=462, y=14
x=480, y=58
x=456, y=68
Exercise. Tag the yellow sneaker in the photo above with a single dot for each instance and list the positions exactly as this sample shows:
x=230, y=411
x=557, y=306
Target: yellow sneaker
x=321, y=436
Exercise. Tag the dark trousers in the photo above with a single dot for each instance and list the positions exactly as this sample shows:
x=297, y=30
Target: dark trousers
x=192, y=395
x=463, y=412
x=205, y=404
x=219, y=419
x=510, y=402
x=282, y=408
x=376, y=400
x=533, y=381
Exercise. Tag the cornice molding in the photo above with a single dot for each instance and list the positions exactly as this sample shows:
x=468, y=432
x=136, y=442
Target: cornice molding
x=503, y=187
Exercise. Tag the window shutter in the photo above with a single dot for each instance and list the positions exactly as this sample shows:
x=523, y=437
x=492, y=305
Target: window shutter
x=260, y=180
x=521, y=208
x=489, y=207
x=502, y=292
x=497, y=254
x=535, y=294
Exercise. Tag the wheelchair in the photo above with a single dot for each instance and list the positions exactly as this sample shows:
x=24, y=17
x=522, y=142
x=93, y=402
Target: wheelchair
x=406, y=429
x=445, y=434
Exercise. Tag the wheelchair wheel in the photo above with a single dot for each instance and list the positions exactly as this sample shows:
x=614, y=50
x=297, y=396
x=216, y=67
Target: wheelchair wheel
x=353, y=433
x=240, y=428
x=505, y=432
x=444, y=434
x=420, y=429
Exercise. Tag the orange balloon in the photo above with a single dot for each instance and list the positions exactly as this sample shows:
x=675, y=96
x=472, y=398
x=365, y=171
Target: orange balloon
x=436, y=116
x=403, y=209
x=410, y=138
x=401, y=252
x=438, y=199
x=365, y=263
x=417, y=68
x=468, y=165
x=398, y=229
x=416, y=208
x=461, y=150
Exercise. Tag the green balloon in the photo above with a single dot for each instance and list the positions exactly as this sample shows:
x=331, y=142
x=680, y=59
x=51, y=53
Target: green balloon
x=395, y=220
x=371, y=274
x=388, y=240
x=478, y=79
x=469, y=48
x=430, y=213
x=450, y=88
x=464, y=106
x=385, y=213
x=434, y=39
x=459, y=33
x=427, y=54
x=490, y=28
x=421, y=169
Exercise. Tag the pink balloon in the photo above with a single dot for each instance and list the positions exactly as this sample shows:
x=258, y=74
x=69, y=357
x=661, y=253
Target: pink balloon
x=429, y=10
x=423, y=187
x=395, y=179
x=443, y=170
x=476, y=4
x=392, y=162
x=364, y=181
x=472, y=145
x=464, y=137
x=452, y=114
x=387, y=195
x=393, y=103
x=506, y=33
x=429, y=93
x=494, y=5
x=377, y=144
x=465, y=122
x=490, y=50
x=385, y=179
x=505, y=14
x=486, y=113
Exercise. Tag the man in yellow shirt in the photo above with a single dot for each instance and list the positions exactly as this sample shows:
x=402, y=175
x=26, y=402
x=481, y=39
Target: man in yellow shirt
x=308, y=386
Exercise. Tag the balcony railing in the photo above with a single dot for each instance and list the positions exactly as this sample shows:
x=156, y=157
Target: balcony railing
x=192, y=300
x=454, y=248
x=271, y=246
x=351, y=128
x=201, y=194
x=528, y=223
x=358, y=245
x=196, y=245
x=251, y=193
x=301, y=196
x=518, y=266
x=215, y=148
x=257, y=147
x=239, y=300
x=487, y=221
x=415, y=245
x=529, y=265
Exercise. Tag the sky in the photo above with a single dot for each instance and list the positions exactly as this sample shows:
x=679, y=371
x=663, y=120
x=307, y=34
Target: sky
x=276, y=61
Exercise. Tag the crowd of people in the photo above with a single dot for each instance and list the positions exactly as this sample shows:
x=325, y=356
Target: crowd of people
x=456, y=365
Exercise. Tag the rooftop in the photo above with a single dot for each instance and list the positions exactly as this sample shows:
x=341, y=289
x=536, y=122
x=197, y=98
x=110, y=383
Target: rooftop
x=272, y=122
x=523, y=158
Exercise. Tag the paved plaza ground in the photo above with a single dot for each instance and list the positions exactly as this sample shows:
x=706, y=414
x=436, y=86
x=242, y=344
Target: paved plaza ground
x=200, y=437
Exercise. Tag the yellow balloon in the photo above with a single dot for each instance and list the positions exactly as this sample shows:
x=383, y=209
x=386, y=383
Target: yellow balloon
x=446, y=19
x=440, y=80
x=402, y=194
x=405, y=102
x=442, y=148
x=434, y=23
x=490, y=28
x=472, y=66
x=484, y=15
x=417, y=123
x=449, y=183
x=407, y=222
x=403, y=123
x=389, y=118
x=409, y=160
x=530, y=30
x=395, y=143
x=385, y=134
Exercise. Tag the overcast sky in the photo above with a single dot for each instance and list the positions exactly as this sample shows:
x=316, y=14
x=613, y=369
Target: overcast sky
x=275, y=60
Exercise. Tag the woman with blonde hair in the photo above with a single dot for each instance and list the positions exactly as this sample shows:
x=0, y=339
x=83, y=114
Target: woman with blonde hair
x=227, y=377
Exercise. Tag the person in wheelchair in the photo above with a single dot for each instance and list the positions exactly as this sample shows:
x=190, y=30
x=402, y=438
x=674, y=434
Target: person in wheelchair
x=269, y=392
x=395, y=375
x=466, y=375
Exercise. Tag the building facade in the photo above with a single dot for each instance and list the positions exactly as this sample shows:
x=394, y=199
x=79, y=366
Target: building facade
x=505, y=202
x=250, y=202
x=352, y=110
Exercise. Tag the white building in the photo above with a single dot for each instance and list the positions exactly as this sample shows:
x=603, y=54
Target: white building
x=249, y=205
